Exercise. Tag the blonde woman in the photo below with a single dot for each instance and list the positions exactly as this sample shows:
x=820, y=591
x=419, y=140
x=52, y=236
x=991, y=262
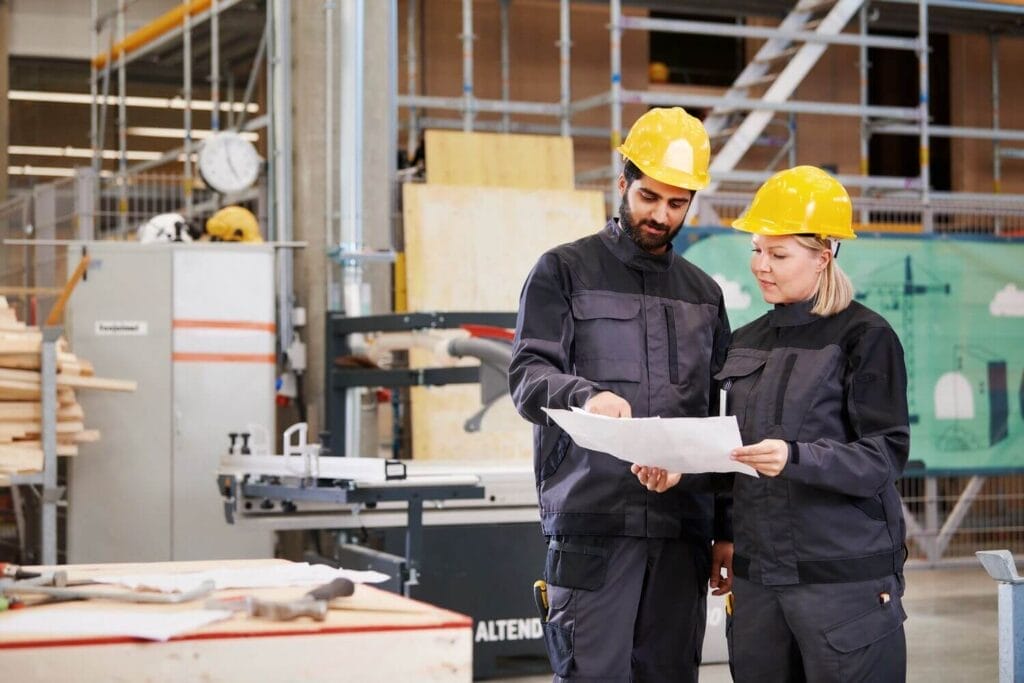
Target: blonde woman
x=818, y=385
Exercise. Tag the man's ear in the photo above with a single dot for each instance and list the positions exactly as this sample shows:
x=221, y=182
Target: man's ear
x=621, y=184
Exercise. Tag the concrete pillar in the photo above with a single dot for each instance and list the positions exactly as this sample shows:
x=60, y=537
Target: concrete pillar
x=312, y=267
x=309, y=188
x=5, y=23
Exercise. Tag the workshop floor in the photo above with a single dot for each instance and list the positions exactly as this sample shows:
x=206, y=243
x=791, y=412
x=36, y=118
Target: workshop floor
x=952, y=633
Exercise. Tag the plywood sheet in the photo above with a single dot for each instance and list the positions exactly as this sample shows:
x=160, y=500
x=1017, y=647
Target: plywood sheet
x=499, y=160
x=470, y=249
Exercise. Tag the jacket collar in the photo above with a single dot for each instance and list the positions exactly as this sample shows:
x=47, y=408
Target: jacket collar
x=627, y=251
x=791, y=315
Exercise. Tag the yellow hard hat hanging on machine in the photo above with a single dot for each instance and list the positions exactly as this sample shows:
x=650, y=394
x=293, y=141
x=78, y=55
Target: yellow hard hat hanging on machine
x=234, y=224
x=670, y=146
x=797, y=201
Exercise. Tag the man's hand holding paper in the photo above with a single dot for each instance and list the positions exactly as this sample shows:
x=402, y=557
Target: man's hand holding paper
x=687, y=445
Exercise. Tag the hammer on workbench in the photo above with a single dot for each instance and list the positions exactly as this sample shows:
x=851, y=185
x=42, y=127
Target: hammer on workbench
x=313, y=604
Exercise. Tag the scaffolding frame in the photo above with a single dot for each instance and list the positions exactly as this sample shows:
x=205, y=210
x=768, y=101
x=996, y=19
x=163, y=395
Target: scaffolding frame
x=274, y=48
x=124, y=49
x=874, y=119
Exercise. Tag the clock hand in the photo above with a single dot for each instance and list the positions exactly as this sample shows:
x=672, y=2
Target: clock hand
x=227, y=158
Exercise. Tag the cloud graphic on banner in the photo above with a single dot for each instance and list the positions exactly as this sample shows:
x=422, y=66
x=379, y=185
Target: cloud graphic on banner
x=1008, y=302
x=735, y=297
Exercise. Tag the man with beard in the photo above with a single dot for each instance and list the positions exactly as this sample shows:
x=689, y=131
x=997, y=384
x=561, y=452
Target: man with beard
x=620, y=325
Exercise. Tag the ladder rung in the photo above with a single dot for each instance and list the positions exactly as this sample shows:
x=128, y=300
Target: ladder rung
x=754, y=82
x=815, y=5
x=725, y=132
x=778, y=56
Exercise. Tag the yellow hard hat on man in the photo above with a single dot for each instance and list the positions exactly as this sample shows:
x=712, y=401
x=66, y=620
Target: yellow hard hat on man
x=670, y=146
x=803, y=200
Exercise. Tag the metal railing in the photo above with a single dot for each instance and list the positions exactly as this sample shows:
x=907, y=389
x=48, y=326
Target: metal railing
x=950, y=517
x=84, y=208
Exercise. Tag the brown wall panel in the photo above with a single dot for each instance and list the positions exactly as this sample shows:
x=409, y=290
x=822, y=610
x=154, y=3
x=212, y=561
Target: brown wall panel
x=971, y=105
x=534, y=60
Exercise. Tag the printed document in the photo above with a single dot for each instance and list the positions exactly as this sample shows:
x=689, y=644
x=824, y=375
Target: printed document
x=689, y=445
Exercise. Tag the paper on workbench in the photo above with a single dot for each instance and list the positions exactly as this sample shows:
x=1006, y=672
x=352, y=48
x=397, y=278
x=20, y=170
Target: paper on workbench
x=294, y=574
x=150, y=625
x=678, y=444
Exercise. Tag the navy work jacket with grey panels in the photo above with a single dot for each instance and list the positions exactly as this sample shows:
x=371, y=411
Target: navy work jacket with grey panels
x=835, y=389
x=602, y=314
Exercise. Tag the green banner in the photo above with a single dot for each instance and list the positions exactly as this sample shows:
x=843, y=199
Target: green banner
x=958, y=307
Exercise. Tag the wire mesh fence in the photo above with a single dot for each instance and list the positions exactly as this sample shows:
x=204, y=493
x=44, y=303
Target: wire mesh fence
x=952, y=516
x=83, y=208
x=950, y=215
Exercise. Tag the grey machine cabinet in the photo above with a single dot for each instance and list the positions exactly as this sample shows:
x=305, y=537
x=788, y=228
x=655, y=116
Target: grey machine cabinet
x=193, y=324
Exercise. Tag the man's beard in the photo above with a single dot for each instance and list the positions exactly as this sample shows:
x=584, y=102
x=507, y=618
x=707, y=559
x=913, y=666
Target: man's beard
x=652, y=243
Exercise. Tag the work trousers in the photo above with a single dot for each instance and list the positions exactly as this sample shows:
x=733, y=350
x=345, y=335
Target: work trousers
x=626, y=609
x=823, y=632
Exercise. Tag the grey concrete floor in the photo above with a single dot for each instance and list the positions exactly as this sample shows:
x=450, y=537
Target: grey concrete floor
x=951, y=628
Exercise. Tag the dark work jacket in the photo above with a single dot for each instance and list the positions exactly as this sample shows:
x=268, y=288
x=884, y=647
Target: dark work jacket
x=835, y=388
x=602, y=314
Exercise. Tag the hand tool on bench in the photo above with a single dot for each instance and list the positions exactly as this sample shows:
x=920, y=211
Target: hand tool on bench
x=14, y=571
x=313, y=604
x=56, y=585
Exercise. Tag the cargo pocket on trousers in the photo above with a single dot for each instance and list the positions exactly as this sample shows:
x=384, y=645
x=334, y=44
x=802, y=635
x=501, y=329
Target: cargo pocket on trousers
x=575, y=564
x=558, y=636
x=572, y=565
x=865, y=646
x=865, y=629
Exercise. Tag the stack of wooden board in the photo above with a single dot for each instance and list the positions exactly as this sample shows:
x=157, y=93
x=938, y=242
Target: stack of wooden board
x=492, y=204
x=20, y=386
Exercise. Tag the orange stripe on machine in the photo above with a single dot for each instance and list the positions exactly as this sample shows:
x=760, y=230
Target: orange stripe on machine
x=189, y=357
x=225, y=325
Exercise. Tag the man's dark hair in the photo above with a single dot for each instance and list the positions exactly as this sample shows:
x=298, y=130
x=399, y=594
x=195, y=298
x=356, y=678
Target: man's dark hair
x=630, y=172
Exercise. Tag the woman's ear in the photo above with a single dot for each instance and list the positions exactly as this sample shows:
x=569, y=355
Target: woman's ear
x=824, y=256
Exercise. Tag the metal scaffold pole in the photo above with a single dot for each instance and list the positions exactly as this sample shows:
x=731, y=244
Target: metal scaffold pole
x=997, y=166
x=122, y=127
x=187, y=62
x=615, y=137
x=564, y=64
x=925, y=155
x=506, y=83
x=865, y=127
x=467, y=64
x=214, y=66
x=280, y=151
x=350, y=190
x=412, y=76
x=329, y=234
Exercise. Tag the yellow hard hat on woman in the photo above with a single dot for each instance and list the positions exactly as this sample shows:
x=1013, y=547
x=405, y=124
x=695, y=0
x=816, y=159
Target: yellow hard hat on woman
x=670, y=146
x=803, y=200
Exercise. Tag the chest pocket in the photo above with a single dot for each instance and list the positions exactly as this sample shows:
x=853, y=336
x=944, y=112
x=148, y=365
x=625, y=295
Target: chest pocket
x=740, y=377
x=608, y=337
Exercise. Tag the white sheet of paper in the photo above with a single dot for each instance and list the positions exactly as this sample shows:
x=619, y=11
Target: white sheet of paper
x=136, y=624
x=295, y=574
x=689, y=445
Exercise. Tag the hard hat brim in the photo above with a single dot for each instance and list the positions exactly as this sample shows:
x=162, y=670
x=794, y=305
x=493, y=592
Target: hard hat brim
x=770, y=229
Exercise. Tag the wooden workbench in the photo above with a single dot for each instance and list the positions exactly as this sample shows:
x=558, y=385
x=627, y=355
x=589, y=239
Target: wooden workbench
x=371, y=636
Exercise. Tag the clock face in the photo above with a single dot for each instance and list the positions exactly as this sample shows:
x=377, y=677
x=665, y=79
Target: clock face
x=229, y=163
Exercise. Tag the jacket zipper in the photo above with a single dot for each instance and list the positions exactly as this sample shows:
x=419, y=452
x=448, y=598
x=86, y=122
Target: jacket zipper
x=673, y=353
x=780, y=395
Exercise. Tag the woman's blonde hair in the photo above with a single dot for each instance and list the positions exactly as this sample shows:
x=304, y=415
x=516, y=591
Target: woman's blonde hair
x=835, y=291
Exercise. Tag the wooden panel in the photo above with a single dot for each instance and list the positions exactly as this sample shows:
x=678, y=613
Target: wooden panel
x=499, y=160
x=471, y=249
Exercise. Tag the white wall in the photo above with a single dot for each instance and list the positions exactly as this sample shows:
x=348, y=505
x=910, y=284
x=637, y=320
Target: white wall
x=60, y=28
